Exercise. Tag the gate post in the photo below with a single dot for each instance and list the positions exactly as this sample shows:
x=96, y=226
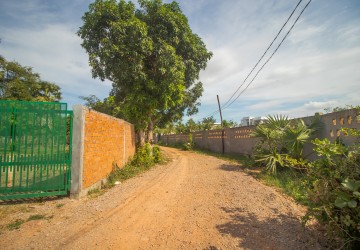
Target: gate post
x=77, y=151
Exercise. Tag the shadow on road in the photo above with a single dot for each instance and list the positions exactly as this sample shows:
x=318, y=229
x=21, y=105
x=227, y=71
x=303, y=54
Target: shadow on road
x=232, y=168
x=278, y=232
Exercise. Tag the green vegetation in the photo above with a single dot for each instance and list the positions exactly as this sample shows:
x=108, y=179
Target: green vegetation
x=281, y=142
x=244, y=161
x=145, y=157
x=59, y=205
x=289, y=181
x=150, y=55
x=192, y=126
x=333, y=185
x=11, y=209
x=21, y=83
x=15, y=225
x=36, y=217
x=329, y=186
x=95, y=192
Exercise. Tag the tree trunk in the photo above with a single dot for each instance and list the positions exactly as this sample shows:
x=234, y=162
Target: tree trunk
x=141, y=137
x=149, y=135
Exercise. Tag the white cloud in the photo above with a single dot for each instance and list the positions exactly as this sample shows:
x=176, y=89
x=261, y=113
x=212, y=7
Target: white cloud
x=318, y=64
x=56, y=54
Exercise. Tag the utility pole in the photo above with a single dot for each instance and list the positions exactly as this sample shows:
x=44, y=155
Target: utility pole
x=222, y=126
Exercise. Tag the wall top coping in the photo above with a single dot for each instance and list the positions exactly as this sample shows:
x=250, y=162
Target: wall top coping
x=86, y=109
x=325, y=116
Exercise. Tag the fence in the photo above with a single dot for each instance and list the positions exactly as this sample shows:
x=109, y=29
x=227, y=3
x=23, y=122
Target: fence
x=35, y=149
x=37, y=157
x=100, y=143
x=239, y=140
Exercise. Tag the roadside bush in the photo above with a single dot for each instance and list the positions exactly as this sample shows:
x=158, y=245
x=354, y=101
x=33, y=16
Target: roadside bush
x=334, y=192
x=145, y=157
x=281, y=142
x=157, y=154
x=189, y=145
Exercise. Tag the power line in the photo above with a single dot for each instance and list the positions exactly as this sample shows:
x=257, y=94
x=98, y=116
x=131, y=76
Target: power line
x=211, y=114
x=227, y=104
x=263, y=54
x=270, y=56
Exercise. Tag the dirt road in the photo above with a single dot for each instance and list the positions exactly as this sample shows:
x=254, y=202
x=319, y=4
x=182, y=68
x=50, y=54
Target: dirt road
x=193, y=202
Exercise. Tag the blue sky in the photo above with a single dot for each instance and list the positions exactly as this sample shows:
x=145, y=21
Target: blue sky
x=317, y=66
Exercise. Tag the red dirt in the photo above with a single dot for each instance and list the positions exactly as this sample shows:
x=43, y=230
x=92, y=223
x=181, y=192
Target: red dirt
x=193, y=202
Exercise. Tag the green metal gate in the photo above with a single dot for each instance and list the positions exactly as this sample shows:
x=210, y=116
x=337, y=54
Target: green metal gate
x=35, y=149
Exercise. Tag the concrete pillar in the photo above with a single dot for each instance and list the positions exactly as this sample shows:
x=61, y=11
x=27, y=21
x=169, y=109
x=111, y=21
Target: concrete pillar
x=78, y=135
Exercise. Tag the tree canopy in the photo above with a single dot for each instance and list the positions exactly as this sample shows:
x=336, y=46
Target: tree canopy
x=151, y=56
x=21, y=83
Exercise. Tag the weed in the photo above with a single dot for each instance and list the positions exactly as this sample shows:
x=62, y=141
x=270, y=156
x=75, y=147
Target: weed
x=59, y=205
x=290, y=181
x=244, y=160
x=36, y=217
x=96, y=192
x=145, y=158
x=15, y=225
x=7, y=210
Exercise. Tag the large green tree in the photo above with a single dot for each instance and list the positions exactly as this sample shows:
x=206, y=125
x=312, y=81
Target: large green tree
x=21, y=83
x=151, y=56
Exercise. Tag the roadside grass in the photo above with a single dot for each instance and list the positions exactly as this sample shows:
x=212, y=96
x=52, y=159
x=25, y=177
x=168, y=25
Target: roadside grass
x=131, y=170
x=288, y=181
x=18, y=222
x=15, y=225
x=142, y=162
x=59, y=205
x=96, y=192
x=36, y=217
x=244, y=161
x=13, y=215
x=6, y=210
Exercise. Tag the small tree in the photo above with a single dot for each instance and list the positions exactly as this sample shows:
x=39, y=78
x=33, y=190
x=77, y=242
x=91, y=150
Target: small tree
x=191, y=126
x=229, y=124
x=207, y=123
x=282, y=141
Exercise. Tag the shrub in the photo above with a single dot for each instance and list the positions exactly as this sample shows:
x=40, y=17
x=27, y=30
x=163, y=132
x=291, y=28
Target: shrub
x=334, y=195
x=145, y=158
x=189, y=145
x=281, y=142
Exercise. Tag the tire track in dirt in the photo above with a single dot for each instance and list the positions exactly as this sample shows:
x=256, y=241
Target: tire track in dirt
x=147, y=198
x=193, y=202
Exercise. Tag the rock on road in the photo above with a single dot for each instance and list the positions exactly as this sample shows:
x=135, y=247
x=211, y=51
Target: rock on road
x=193, y=202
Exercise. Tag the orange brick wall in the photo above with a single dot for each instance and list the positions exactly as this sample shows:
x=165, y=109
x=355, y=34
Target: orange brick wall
x=104, y=140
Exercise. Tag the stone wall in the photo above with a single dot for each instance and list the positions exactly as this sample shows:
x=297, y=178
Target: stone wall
x=239, y=141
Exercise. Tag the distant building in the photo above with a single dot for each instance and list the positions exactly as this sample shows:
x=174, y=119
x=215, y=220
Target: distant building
x=259, y=120
x=246, y=121
x=216, y=125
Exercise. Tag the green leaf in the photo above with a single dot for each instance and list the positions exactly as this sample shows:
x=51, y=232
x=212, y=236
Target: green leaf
x=352, y=204
x=356, y=193
x=351, y=185
x=343, y=196
x=340, y=203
